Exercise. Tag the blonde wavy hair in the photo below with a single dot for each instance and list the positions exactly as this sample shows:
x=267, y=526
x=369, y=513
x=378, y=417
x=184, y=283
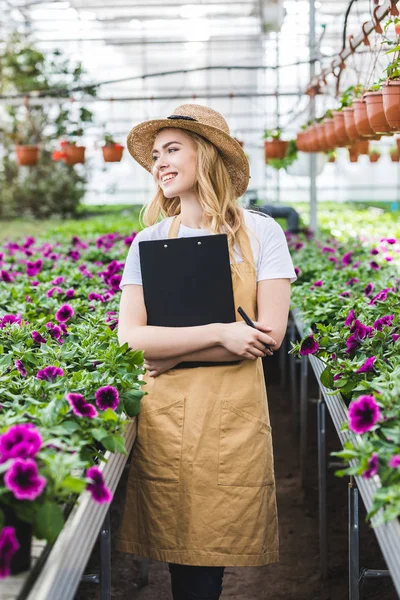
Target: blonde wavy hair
x=217, y=199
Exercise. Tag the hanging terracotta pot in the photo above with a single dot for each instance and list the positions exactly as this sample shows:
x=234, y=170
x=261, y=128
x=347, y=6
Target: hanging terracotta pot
x=323, y=142
x=348, y=113
x=361, y=147
x=27, y=156
x=340, y=129
x=361, y=120
x=395, y=156
x=112, y=152
x=74, y=154
x=332, y=159
x=314, y=139
x=353, y=157
x=300, y=142
x=374, y=157
x=376, y=112
x=391, y=102
x=275, y=149
x=330, y=134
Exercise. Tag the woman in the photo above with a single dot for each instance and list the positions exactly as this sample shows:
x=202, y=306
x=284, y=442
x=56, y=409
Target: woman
x=201, y=490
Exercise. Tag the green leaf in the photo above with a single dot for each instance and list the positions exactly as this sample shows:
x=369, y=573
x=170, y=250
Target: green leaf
x=49, y=522
x=99, y=433
x=132, y=402
x=109, y=415
x=327, y=378
x=114, y=443
x=73, y=484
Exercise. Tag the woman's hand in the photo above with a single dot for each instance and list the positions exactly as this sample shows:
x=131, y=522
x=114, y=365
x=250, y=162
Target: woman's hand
x=246, y=341
x=157, y=366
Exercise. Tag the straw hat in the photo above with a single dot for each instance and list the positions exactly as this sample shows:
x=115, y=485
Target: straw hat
x=202, y=120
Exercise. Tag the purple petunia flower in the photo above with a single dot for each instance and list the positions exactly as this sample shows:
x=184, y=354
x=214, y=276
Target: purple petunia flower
x=394, y=461
x=328, y=250
x=369, y=288
x=374, y=265
x=350, y=318
x=19, y=365
x=129, y=239
x=39, y=339
x=58, y=280
x=70, y=293
x=9, y=545
x=385, y=321
x=373, y=466
x=367, y=366
x=80, y=407
x=333, y=259
x=6, y=277
x=345, y=294
x=389, y=240
x=20, y=441
x=382, y=296
x=361, y=330
x=114, y=281
x=297, y=271
x=395, y=336
x=50, y=373
x=100, y=492
x=352, y=281
x=33, y=268
x=95, y=296
x=107, y=397
x=64, y=313
x=23, y=479
x=374, y=251
x=347, y=260
x=308, y=346
x=10, y=320
x=363, y=414
x=74, y=255
x=54, y=330
x=318, y=283
x=53, y=290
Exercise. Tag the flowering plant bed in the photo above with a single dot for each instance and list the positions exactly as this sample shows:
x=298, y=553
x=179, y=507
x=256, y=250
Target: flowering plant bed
x=66, y=384
x=354, y=310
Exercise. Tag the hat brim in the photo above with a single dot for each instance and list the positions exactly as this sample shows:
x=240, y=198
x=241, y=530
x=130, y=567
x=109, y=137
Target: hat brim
x=141, y=138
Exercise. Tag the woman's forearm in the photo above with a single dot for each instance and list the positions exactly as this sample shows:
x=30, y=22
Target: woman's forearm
x=168, y=342
x=217, y=353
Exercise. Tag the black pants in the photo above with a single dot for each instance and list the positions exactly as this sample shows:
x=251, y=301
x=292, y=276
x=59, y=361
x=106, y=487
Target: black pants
x=196, y=583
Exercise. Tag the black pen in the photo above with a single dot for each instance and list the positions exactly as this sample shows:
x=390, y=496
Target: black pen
x=250, y=323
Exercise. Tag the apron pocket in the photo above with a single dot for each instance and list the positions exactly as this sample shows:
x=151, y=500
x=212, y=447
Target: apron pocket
x=158, y=446
x=245, y=449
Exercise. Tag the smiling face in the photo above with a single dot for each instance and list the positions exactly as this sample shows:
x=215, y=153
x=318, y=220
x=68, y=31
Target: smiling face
x=174, y=162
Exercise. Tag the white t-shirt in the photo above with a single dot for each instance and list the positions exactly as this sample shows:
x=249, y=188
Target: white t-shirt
x=267, y=239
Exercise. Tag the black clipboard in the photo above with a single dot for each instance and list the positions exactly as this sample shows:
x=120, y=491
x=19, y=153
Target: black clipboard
x=187, y=282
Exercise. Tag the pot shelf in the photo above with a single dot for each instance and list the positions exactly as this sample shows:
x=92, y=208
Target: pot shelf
x=64, y=565
x=388, y=534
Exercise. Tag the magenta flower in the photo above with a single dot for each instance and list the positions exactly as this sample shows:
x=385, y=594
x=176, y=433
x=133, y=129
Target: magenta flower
x=373, y=466
x=9, y=545
x=345, y=295
x=318, y=283
x=23, y=479
x=19, y=365
x=10, y=320
x=64, y=313
x=374, y=251
x=350, y=318
x=114, y=281
x=367, y=366
x=394, y=461
x=50, y=373
x=389, y=240
x=37, y=338
x=129, y=239
x=395, y=336
x=363, y=414
x=74, y=255
x=386, y=321
x=58, y=280
x=80, y=407
x=328, y=250
x=53, y=290
x=308, y=346
x=100, y=492
x=107, y=397
x=95, y=296
x=54, y=330
x=70, y=293
x=374, y=265
x=297, y=271
x=369, y=288
x=381, y=296
x=347, y=260
x=6, y=277
x=352, y=281
x=20, y=441
x=33, y=268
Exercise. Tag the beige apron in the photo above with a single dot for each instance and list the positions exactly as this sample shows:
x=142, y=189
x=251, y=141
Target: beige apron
x=201, y=488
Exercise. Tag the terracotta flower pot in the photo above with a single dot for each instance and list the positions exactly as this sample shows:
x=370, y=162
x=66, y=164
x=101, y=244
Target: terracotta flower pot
x=361, y=120
x=391, y=102
x=323, y=142
x=374, y=157
x=314, y=139
x=332, y=159
x=340, y=129
x=361, y=147
x=112, y=152
x=300, y=141
x=275, y=149
x=376, y=112
x=395, y=156
x=74, y=154
x=353, y=157
x=348, y=113
x=27, y=156
x=330, y=134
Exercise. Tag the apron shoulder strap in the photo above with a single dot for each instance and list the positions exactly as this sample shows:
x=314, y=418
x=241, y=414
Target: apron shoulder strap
x=174, y=228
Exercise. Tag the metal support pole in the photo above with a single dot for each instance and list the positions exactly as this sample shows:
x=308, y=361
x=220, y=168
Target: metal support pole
x=313, y=156
x=303, y=418
x=293, y=378
x=322, y=486
x=354, y=542
x=278, y=115
x=105, y=559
